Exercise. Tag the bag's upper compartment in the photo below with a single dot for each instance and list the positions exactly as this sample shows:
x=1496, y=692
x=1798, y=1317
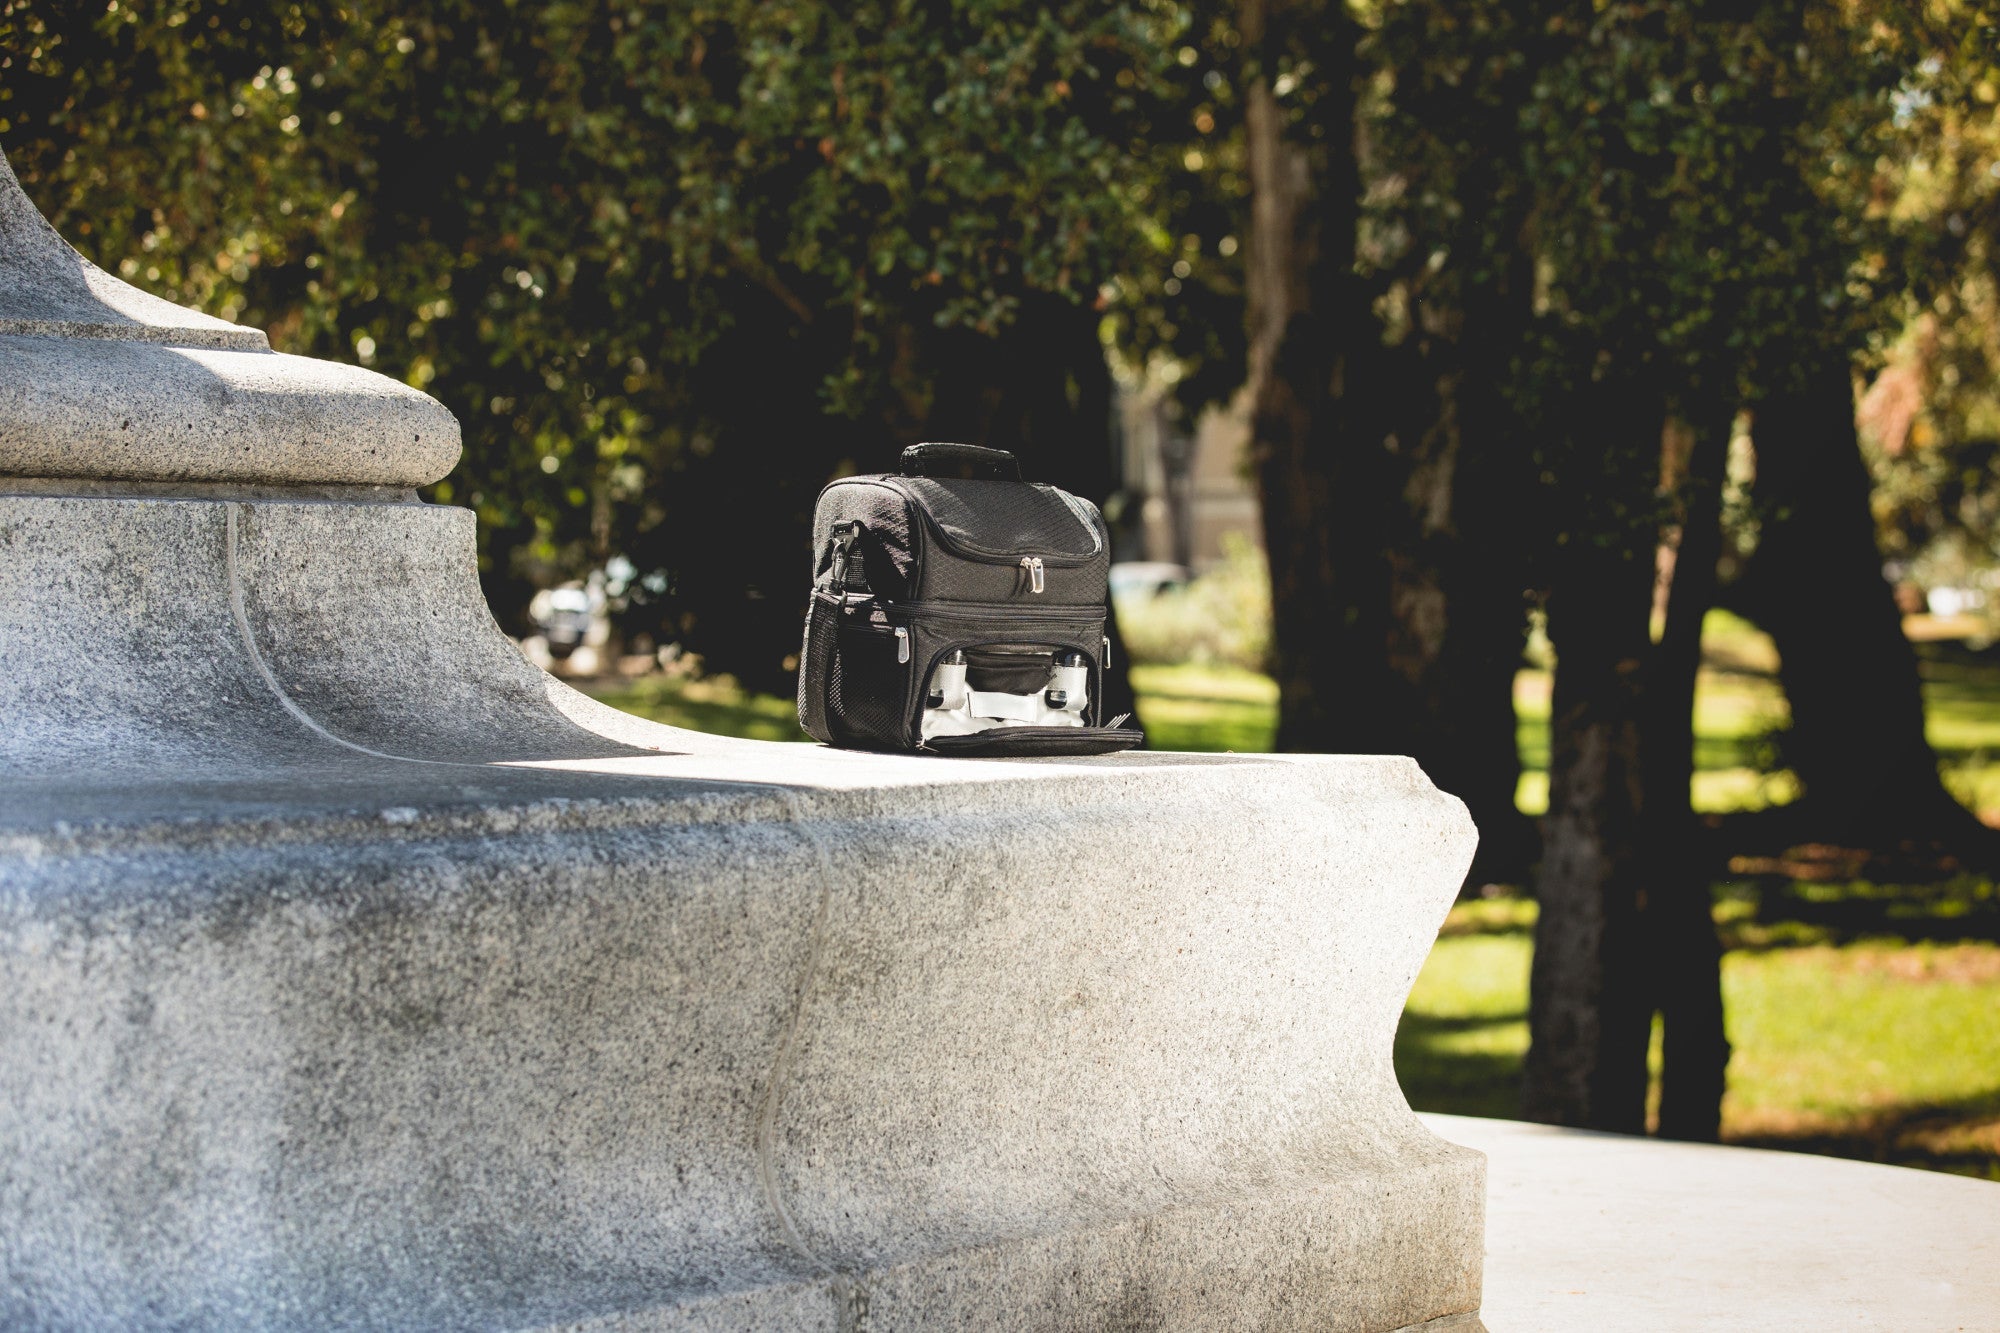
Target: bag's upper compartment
x=957, y=558
x=1004, y=520
x=931, y=535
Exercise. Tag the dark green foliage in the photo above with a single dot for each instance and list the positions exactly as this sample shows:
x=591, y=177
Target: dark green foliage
x=672, y=266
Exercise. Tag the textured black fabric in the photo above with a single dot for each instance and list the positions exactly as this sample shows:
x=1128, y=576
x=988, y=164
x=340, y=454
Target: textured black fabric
x=1005, y=518
x=887, y=546
x=867, y=685
x=972, y=565
x=944, y=578
x=816, y=667
x=1038, y=742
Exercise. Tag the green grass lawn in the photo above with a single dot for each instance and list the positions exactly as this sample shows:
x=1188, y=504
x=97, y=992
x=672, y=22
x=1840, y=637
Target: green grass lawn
x=1865, y=1018
x=1206, y=708
x=1875, y=1049
x=716, y=704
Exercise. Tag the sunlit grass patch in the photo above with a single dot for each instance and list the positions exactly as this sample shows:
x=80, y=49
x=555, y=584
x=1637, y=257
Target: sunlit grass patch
x=1192, y=707
x=1729, y=789
x=1531, y=792
x=715, y=704
x=1464, y=1032
x=1884, y=1052
x=1220, y=683
x=1876, y=1049
x=1731, y=643
x=1976, y=786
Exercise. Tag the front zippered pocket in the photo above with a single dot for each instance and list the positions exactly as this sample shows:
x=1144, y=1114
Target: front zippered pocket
x=939, y=631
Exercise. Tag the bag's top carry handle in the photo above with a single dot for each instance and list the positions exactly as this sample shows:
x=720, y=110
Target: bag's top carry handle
x=960, y=460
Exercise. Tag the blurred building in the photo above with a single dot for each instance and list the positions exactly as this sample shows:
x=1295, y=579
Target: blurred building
x=1183, y=490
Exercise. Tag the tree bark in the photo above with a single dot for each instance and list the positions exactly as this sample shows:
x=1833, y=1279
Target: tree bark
x=1590, y=1011
x=1472, y=506
x=1314, y=468
x=1686, y=952
x=1387, y=476
x=1815, y=583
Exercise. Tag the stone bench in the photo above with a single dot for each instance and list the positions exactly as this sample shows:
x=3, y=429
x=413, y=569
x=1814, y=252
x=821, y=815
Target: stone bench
x=353, y=973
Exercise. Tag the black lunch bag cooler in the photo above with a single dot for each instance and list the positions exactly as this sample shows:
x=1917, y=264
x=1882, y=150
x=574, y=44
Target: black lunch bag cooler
x=957, y=609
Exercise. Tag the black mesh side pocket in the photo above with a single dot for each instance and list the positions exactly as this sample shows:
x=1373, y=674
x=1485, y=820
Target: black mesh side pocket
x=868, y=684
x=816, y=667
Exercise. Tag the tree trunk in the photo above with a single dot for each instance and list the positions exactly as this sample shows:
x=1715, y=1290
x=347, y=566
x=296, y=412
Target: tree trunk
x=1686, y=952
x=1385, y=474
x=1473, y=510
x=1590, y=1013
x=1318, y=470
x=1815, y=583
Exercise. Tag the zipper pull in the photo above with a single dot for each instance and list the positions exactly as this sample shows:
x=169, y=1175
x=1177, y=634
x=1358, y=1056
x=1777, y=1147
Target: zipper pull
x=844, y=537
x=1107, y=652
x=1031, y=573
x=902, y=644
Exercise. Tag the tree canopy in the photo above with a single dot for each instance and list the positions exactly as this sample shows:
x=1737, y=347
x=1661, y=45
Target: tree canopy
x=1549, y=307
x=672, y=266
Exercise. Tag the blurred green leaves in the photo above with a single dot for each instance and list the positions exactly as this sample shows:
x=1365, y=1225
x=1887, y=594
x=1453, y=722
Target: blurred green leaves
x=630, y=245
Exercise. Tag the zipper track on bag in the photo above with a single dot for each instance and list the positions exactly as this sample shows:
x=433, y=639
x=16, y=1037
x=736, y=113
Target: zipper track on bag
x=1002, y=610
x=977, y=610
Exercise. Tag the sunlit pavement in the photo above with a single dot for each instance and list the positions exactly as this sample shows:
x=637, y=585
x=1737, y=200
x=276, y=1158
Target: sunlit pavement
x=1598, y=1232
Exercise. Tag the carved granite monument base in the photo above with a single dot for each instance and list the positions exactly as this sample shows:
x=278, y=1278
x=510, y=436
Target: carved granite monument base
x=355, y=974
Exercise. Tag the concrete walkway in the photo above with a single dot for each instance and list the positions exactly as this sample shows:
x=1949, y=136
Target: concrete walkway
x=1603, y=1232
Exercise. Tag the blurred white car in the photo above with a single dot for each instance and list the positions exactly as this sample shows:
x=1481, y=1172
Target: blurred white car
x=564, y=616
x=1146, y=578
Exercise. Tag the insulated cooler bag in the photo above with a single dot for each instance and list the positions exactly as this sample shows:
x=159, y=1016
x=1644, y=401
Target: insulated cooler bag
x=960, y=610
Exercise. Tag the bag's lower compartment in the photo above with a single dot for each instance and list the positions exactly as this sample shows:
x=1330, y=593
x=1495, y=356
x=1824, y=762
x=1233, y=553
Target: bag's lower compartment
x=884, y=675
x=1006, y=685
x=1037, y=742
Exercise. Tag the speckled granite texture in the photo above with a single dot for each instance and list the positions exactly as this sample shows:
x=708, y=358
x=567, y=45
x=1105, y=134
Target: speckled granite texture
x=354, y=974
x=100, y=379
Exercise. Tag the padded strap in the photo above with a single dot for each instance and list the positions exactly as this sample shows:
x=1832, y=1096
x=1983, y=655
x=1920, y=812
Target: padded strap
x=968, y=461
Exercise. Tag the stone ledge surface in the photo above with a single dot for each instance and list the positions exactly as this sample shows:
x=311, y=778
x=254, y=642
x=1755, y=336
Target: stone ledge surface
x=1587, y=1232
x=355, y=974
x=101, y=408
